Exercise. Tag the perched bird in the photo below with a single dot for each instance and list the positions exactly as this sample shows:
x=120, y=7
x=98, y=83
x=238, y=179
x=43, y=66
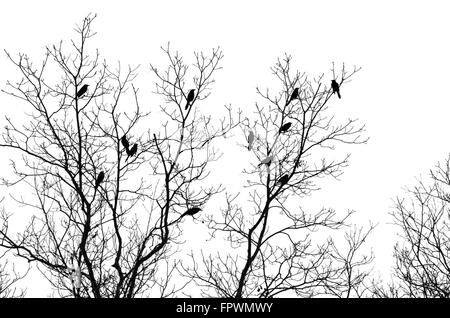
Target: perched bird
x=100, y=178
x=82, y=90
x=294, y=95
x=285, y=127
x=284, y=179
x=190, y=98
x=132, y=151
x=266, y=161
x=250, y=139
x=335, y=87
x=192, y=211
x=125, y=142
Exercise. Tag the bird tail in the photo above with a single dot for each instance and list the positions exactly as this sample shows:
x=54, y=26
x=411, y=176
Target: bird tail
x=339, y=94
x=187, y=106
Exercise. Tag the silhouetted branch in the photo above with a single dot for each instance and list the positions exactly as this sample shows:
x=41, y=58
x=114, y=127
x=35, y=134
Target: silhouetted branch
x=107, y=198
x=291, y=139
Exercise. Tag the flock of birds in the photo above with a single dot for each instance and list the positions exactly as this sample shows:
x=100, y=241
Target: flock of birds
x=75, y=268
x=250, y=139
x=284, y=128
x=133, y=150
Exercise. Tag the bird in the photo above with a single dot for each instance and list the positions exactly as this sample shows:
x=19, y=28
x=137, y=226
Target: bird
x=335, y=87
x=190, y=98
x=285, y=127
x=100, y=178
x=132, y=151
x=266, y=161
x=192, y=211
x=82, y=90
x=250, y=139
x=294, y=95
x=125, y=142
x=284, y=179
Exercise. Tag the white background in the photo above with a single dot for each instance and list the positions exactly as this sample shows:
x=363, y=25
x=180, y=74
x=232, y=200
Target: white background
x=400, y=94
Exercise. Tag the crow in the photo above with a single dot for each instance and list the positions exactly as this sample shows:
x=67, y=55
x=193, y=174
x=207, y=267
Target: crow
x=285, y=127
x=192, y=211
x=190, y=98
x=125, y=143
x=100, y=178
x=294, y=95
x=132, y=151
x=284, y=179
x=250, y=139
x=335, y=87
x=82, y=90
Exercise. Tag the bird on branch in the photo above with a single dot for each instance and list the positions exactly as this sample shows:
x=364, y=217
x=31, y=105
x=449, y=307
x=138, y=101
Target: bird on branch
x=190, y=98
x=285, y=127
x=294, y=95
x=192, y=211
x=335, y=87
x=99, y=180
x=82, y=90
x=284, y=179
x=132, y=151
x=125, y=143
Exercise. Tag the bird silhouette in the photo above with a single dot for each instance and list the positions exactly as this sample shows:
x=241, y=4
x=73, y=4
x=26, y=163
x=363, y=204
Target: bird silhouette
x=250, y=139
x=285, y=127
x=294, y=95
x=335, y=87
x=266, y=161
x=132, y=151
x=284, y=179
x=100, y=178
x=125, y=142
x=192, y=211
x=190, y=98
x=82, y=90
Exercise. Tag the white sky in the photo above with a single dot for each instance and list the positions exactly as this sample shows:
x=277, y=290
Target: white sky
x=400, y=94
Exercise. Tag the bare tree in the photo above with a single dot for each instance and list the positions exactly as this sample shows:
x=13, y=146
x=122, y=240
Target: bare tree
x=9, y=277
x=277, y=248
x=8, y=281
x=107, y=194
x=423, y=254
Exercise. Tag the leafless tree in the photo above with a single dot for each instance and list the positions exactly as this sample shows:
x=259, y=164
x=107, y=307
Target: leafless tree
x=423, y=253
x=106, y=220
x=9, y=277
x=8, y=281
x=278, y=248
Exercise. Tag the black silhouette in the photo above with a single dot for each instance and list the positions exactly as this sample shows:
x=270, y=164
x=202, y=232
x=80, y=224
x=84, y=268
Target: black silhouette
x=192, y=211
x=125, y=143
x=284, y=179
x=100, y=178
x=190, y=98
x=335, y=87
x=132, y=151
x=82, y=90
x=294, y=95
x=285, y=127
